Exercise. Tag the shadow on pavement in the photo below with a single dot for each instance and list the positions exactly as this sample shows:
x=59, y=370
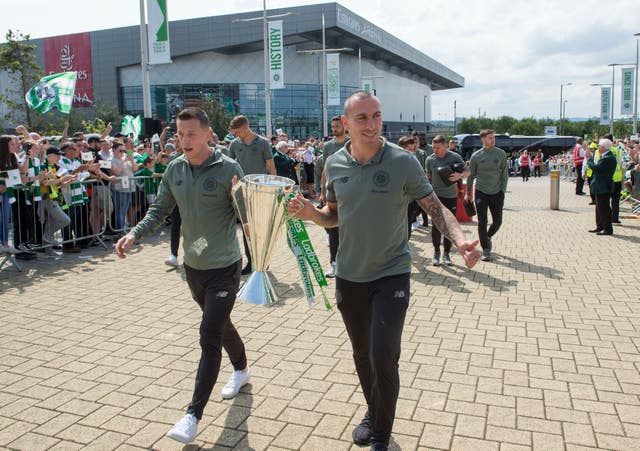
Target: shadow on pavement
x=234, y=433
x=519, y=265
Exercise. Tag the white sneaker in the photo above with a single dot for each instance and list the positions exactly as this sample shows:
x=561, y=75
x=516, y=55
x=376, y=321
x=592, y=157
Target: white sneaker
x=237, y=380
x=332, y=272
x=50, y=252
x=415, y=225
x=185, y=430
x=172, y=260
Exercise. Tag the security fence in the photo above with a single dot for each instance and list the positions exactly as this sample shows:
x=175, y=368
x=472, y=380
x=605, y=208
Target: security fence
x=70, y=218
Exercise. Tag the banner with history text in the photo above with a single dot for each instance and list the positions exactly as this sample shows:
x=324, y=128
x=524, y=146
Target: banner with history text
x=276, y=55
x=333, y=79
x=605, y=105
x=626, y=102
x=158, y=32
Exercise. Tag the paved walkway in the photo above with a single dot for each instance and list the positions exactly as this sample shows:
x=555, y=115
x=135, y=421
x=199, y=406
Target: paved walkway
x=536, y=350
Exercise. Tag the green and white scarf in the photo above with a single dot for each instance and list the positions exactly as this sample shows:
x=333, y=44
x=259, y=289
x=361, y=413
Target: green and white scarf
x=33, y=192
x=300, y=244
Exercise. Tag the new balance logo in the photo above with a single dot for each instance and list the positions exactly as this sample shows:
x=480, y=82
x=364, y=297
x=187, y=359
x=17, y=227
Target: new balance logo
x=399, y=294
x=222, y=294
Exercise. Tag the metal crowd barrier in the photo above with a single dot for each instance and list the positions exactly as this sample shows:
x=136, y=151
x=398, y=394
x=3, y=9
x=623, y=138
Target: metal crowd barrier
x=72, y=218
x=635, y=192
x=131, y=199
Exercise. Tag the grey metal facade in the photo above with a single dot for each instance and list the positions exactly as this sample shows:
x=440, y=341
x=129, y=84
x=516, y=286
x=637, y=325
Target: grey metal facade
x=116, y=52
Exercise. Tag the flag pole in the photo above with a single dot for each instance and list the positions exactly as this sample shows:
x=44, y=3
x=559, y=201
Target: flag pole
x=144, y=66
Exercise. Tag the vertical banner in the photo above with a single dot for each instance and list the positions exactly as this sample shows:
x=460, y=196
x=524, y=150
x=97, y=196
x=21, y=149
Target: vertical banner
x=158, y=32
x=367, y=85
x=626, y=103
x=72, y=53
x=333, y=79
x=605, y=105
x=276, y=55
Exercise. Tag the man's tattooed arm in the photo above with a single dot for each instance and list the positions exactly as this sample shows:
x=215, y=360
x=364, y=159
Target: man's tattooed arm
x=442, y=218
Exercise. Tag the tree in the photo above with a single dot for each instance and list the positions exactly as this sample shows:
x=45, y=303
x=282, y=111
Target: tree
x=17, y=57
x=622, y=129
x=218, y=114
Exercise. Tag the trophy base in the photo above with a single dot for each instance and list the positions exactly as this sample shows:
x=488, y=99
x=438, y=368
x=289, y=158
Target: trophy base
x=258, y=290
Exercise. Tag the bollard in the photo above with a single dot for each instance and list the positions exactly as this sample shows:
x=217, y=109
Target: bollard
x=555, y=190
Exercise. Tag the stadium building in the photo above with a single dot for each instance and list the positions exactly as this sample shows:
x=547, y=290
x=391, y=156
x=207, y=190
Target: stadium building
x=222, y=57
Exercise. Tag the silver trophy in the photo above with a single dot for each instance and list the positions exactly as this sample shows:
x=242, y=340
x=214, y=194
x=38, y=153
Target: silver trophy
x=260, y=204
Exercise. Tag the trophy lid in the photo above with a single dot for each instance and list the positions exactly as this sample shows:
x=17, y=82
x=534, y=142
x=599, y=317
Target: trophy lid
x=268, y=180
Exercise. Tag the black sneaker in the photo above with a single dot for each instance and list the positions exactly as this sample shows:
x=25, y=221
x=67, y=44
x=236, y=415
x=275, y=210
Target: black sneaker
x=26, y=256
x=377, y=446
x=363, y=432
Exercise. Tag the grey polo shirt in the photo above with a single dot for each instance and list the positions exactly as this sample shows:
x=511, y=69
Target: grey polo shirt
x=252, y=157
x=421, y=155
x=440, y=186
x=203, y=195
x=372, y=203
x=331, y=147
x=488, y=167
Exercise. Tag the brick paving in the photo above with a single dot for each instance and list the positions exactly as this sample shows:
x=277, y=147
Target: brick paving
x=535, y=350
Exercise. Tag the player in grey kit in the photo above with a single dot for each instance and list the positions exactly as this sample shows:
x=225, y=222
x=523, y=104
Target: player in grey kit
x=370, y=182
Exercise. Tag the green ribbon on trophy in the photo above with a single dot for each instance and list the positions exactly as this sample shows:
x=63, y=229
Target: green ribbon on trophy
x=300, y=244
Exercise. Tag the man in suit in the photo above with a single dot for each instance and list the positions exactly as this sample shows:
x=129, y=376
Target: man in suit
x=602, y=185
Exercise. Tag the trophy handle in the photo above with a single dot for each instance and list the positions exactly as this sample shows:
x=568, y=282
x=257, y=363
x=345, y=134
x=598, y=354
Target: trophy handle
x=239, y=202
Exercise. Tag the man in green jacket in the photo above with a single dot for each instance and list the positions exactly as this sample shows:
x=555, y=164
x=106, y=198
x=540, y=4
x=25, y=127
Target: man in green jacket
x=199, y=184
x=602, y=185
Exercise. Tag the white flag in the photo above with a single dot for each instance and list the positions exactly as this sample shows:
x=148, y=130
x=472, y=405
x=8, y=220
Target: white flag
x=276, y=55
x=333, y=79
x=158, y=32
x=626, y=102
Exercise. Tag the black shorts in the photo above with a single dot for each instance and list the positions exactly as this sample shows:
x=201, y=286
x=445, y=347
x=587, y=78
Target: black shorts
x=308, y=170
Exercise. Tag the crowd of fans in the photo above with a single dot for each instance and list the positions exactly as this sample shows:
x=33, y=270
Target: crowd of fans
x=85, y=186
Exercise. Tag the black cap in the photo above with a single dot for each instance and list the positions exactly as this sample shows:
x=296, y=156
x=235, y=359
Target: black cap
x=93, y=139
x=53, y=150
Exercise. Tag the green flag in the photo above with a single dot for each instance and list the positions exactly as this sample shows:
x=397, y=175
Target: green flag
x=133, y=125
x=53, y=91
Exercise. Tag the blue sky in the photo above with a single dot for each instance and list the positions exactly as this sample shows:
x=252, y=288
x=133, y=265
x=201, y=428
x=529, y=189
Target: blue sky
x=513, y=54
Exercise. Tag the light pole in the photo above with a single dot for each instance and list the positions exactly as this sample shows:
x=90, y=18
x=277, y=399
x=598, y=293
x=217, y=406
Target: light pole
x=144, y=66
x=424, y=112
x=562, y=86
x=635, y=103
x=455, y=119
x=564, y=113
x=267, y=81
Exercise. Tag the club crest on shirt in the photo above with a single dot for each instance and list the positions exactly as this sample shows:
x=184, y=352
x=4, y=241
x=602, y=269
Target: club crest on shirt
x=381, y=179
x=210, y=184
x=344, y=179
